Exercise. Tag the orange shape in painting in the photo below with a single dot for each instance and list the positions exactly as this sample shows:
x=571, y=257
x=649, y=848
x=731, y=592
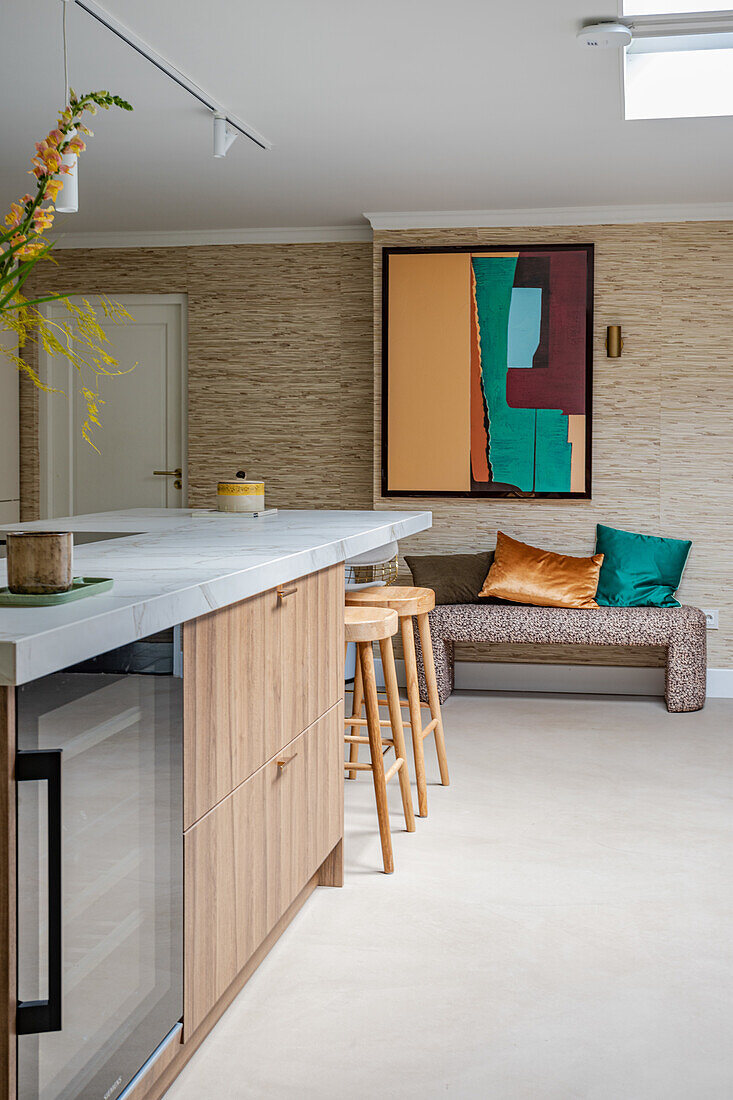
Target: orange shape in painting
x=429, y=372
x=576, y=437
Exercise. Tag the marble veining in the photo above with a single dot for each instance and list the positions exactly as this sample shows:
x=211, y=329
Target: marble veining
x=173, y=565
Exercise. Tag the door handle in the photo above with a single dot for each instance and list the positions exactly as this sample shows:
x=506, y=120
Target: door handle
x=282, y=591
x=178, y=472
x=33, y=764
x=283, y=763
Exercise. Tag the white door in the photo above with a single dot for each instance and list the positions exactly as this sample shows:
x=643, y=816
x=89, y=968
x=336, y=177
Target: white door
x=141, y=441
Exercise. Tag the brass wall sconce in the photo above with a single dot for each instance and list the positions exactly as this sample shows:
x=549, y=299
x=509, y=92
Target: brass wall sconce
x=614, y=341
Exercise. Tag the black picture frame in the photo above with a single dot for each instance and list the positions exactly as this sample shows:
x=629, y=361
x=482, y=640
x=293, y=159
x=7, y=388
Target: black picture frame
x=488, y=494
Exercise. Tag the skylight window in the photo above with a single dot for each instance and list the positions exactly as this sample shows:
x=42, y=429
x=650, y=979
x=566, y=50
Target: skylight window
x=680, y=62
x=669, y=7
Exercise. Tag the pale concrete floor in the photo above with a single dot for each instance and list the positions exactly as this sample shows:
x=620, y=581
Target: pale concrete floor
x=558, y=928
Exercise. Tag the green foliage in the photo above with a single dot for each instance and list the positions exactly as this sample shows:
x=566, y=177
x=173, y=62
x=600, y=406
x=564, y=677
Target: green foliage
x=22, y=245
x=80, y=341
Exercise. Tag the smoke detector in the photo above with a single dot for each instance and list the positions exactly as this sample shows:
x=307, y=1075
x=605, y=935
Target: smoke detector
x=605, y=36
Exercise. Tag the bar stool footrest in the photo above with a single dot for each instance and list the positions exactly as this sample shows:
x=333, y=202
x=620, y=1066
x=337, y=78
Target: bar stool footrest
x=428, y=729
x=351, y=739
x=351, y=721
x=394, y=769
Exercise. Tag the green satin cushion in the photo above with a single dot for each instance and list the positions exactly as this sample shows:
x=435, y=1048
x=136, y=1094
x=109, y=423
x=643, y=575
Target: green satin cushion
x=639, y=570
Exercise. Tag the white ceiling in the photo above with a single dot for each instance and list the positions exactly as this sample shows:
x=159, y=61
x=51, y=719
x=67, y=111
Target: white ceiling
x=381, y=105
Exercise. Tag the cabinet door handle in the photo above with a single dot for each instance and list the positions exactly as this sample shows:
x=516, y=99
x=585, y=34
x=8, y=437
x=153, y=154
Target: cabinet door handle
x=283, y=591
x=36, y=1016
x=283, y=763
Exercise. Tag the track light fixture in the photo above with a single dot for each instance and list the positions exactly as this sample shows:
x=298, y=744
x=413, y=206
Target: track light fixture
x=130, y=38
x=223, y=136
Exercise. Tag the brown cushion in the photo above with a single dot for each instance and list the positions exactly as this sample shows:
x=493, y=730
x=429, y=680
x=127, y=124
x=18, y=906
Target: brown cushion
x=528, y=575
x=455, y=578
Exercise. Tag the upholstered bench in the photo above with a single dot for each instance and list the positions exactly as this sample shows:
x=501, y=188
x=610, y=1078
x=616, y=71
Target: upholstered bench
x=680, y=629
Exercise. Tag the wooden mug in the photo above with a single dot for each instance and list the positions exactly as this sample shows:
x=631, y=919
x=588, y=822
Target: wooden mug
x=40, y=562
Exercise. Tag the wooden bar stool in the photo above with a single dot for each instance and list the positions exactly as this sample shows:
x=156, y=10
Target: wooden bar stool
x=409, y=603
x=365, y=625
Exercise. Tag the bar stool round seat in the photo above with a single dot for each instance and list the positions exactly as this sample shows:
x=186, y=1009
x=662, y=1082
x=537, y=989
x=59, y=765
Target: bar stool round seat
x=404, y=600
x=369, y=624
x=409, y=603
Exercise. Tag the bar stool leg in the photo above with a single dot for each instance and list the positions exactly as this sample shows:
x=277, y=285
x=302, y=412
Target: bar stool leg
x=413, y=700
x=398, y=732
x=358, y=699
x=374, y=731
x=423, y=625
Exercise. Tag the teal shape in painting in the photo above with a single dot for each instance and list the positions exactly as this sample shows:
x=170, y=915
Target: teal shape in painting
x=525, y=320
x=552, y=460
x=511, y=431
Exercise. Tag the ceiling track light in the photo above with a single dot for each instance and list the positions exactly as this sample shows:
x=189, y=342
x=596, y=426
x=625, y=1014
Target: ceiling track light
x=224, y=138
x=91, y=7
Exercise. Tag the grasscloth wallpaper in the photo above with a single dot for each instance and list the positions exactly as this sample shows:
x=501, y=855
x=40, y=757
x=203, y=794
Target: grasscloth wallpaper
x=285, y=375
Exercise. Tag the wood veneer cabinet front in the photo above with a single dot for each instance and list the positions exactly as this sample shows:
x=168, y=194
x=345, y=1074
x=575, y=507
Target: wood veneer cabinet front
x=256, y=674
x=250, y=857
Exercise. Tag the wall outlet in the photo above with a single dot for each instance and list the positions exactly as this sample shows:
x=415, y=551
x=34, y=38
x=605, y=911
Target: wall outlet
x=711, y=618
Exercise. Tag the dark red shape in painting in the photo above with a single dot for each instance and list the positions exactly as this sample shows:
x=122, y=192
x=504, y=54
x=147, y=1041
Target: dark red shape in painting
x=561, y=384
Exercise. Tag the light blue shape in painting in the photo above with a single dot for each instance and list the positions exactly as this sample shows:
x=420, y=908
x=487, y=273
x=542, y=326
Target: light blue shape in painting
x=525, y=320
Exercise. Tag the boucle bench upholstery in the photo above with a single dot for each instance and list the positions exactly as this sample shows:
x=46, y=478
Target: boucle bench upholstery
x=681, y=630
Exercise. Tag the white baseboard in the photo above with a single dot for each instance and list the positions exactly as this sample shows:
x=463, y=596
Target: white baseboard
x=720, y=683
x=571, y=679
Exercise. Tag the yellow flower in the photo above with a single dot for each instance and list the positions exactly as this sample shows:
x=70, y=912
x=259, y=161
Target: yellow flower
x=52, y=158
x=43, y=218
x=52, y=189
x=15, y=216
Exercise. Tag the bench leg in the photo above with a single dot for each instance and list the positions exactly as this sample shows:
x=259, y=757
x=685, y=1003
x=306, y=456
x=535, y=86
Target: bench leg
x=687, y=669
x=444, y=667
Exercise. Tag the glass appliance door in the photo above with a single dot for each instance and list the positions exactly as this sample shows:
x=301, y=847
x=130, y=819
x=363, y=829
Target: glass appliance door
x=101, y=941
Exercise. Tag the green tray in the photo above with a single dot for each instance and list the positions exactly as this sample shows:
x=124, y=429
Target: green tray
x=81, y=586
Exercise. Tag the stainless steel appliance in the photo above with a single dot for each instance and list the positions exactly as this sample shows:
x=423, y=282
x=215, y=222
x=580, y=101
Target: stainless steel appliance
x=100, y=871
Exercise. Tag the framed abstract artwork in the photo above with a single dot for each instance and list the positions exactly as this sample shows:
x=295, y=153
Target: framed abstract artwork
x=486, y=371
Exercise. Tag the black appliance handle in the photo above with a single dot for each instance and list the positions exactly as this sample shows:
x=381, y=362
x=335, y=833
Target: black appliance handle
x=33, y=764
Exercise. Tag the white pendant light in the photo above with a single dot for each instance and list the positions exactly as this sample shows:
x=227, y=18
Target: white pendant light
x=67, y=200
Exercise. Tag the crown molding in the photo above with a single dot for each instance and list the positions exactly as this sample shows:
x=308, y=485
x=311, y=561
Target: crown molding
x=191, y=237
x=428, y=219
x=552, y=215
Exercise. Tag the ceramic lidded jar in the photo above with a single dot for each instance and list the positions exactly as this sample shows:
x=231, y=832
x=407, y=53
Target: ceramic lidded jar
x=240, y=495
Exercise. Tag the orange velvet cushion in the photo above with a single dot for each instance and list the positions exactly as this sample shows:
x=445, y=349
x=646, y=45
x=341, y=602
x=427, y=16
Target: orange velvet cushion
x=525, y=574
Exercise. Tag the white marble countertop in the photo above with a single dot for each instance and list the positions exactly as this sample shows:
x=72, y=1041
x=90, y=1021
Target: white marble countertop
x=176, y=564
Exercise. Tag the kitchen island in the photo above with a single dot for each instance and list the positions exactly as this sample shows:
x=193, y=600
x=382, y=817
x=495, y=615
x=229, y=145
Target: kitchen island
x=189, y=727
